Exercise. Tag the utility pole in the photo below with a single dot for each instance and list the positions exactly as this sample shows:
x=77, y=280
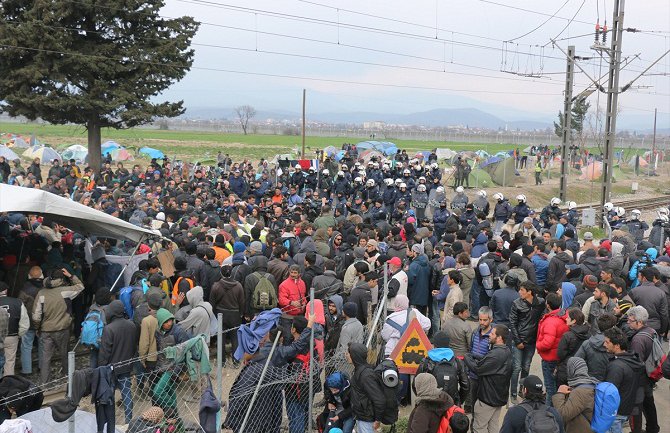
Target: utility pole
x=304, y=96
x=612, y=101
x=567, y=122
x=653, y=142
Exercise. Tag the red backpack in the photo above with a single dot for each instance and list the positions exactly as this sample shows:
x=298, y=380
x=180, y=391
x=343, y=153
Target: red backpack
x=444, y=423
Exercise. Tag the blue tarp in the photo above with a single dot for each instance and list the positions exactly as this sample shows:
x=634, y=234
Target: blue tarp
x=492, y=160
x=108, y=146
x=385, y=147
x=152, y=153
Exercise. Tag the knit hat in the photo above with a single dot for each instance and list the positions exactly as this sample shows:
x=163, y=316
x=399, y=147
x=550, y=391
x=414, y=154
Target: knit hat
x=350, y=309
x=160, y=216
x=417, y=248
x=607, y=244
x=590, y=282
x=155, y=301
x=256, y=247
x=459, y=422
x=401, y=302
x=588, y=236
x=154, y=414
x=426, y=387
x=373, y=243
x=238, y=247
x=103, y=296
x=359, y=252
x=440, y=340
x=578, y=372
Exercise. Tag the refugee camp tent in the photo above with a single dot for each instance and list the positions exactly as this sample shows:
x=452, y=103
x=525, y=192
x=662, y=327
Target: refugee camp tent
x=502, y=171
x=42, y=422
x=445, y=153
x=76, y=152
x=108, y=146
x=18, y=142
x=73, y=215
x=330, y=150
x=386, y=147
x=152, y=153
x=119, y=154
x=480, y=178
x=367, y=155
x=8, y=153
x=44, y=153
x=592, y=171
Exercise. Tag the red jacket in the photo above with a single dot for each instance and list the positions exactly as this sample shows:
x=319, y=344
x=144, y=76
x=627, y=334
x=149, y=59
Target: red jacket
x=292, y=290
x=549, y=332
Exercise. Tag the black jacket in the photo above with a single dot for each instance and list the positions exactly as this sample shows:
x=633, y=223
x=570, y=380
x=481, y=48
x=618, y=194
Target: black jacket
x=524, y=318
x=494, y=371
x=556, y=272
x=626, y=372
x=119, y=339
x=515, y=418
x=594, y=353
x=361, y=296
x=570, y=342
x=367, y=397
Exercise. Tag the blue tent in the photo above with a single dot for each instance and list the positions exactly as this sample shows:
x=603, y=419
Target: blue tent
x=385, y=147
x=108, y=146
x=152, y=153
x=492, y=160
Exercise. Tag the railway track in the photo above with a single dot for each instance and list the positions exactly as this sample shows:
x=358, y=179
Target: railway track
x=646, y=203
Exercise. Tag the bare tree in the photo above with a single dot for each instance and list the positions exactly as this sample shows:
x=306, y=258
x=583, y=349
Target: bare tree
x=244, y=114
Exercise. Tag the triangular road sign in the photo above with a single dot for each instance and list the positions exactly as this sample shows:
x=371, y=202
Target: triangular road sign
x=411, y=349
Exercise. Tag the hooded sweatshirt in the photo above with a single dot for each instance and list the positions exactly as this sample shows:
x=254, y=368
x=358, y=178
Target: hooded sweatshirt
x=119, y=339
x=367, y=397
x=431, y=405
x=199, y=318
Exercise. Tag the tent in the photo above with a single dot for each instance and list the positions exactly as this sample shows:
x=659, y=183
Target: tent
x=505, y=154
x=108, y=146
x=73, y=215
x=45, y=154
x=592, y=172
x=8, y=153
x=367, y=155
x=330, y=150
x=18, y=142
x=152, y=153
x=489, y=161
x=281, y=157
x=445, y=153
x=42, y=422
x=119, y=154
x=480, y=179
x=502, y=172
x=643, y=162
x=385, y=147
x=76, y=152
x=482, y=154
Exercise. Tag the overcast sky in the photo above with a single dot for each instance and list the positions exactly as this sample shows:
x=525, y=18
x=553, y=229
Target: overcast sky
x=448, y=52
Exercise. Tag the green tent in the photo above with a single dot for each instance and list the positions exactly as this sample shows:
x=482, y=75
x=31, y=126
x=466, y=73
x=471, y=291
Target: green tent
x=480, y=179
x=502, y=172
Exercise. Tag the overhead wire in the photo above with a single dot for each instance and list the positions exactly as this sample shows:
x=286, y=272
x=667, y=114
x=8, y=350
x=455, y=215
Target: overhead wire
x=569, y=22
x=541, y=24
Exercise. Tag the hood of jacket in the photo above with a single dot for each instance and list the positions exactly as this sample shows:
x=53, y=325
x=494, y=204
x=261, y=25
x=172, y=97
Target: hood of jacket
x=664, y=270
x=633, y=361
x=321, y=235
x=617, y=249
x=564, y=257
x=582, y=331
x=307, y=245
x=652, y=252
x=162, y=316
x=114, y=310
x=441, y=354
x=481, y=239
x=421, y=260
x=597, y=343
x=358, y=353
x=397, y=245
x=195, y=296
x=338, y=301
x=426, y=387
x=258, y=263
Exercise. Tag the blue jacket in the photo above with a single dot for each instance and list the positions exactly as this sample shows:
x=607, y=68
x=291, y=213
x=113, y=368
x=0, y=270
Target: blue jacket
x=501, y=304
x=638, y=266
x=479, y=345
x=238, y=185
x=479, y=247
x=418, y=289
x=541, y=268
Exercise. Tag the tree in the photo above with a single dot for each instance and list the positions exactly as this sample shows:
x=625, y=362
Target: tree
x=244, y=114
x=580, y=107
x=87, y=64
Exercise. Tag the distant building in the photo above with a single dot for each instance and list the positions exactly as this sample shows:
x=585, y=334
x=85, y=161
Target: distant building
x=377, y=124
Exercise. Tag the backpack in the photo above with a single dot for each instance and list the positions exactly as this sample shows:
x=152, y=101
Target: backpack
x=342, y=262
x=489, y=273
x=390, y=414
x=444, y=422
x=539, y=419
x=605, y=407
x=177, y=283
x=655, y=359
x=126, y=297
x=91, y=328
x=213, y=323
x=446, y=373
x=264, y=296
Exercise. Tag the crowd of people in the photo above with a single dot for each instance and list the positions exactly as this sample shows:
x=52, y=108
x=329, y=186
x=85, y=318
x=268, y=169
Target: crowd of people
x=493, y=284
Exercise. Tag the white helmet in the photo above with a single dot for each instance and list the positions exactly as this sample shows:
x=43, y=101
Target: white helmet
x=370, y=182
x=386, y=167
x=434, y=165
x=413, y=161
x=498, y=196
x=403, y=185
x=664, y=218
x=311, y=169
x=663, y=211
x=339, y=173
x=297, y=167
x=521, y=198
x=358, y=179
x=375, y=165
x=571, y=205
x=422, y=178
x=555, y=201
x=439, y=189
x=406, y=171
x=620, y=211
x=635, y=214
x=421, y=187
x=388, y=181
x=370, y=163
x=357, y=164
x=608, y=206
x=398, y=182
x=482, y=193
x=459, y=189
x=325, y=172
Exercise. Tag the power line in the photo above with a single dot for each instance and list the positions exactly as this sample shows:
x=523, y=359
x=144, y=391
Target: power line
x=266, y=74
x=569, y=22
x=541, y=24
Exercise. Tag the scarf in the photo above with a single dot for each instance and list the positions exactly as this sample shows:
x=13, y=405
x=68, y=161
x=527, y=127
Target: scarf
x=578, y=373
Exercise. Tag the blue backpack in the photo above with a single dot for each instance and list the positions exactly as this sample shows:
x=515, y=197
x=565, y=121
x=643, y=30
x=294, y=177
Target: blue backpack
x=91, y=328
x=605, y=407
x=126, y=296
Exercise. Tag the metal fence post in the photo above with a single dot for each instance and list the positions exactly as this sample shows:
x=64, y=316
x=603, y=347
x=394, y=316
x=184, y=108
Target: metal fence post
x=260, y=381
x=219, y=356
x=381, y=307
x=70, y=373
x=311, y=363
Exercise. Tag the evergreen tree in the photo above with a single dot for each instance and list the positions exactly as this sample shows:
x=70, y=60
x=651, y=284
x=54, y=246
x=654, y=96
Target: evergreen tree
x=580, y=107
x=91, y=63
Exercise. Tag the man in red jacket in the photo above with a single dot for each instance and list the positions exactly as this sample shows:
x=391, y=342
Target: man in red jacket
x=549, y=332
x=292, y=293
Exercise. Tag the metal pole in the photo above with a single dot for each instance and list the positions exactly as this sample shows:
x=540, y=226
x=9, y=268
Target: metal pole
x=70, y=373
x=219, y=356
x=311, y=363
x=567, y=122
x=127, y=263
x=304, y=96
x=381, y=305
x=260, y=381
x=612, y=101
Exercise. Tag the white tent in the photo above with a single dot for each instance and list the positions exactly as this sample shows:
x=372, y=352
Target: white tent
x=445, y=153
x=73, y=215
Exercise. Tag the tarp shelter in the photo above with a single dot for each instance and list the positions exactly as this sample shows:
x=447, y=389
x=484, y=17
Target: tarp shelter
x=482, y=154
x=8, y=153
x=108, y=146
x=643, y=162
x=445, y=153
x=367, y=155
x=45, y=154
x=330, y=150
x=505, y=154
x=73, y=215
x=76, y=152
x=592, y=171
x=502, y=172
x=42, y=422
x=385, y=147
x=120, y=154
x=152, y=153
x=489, y=161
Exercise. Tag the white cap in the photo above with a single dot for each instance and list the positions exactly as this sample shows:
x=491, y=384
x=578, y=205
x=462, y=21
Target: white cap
x=160, y=216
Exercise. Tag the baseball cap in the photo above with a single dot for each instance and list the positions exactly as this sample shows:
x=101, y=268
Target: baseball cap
x=395, y=261
x=532, y=382
x=663, y=259
x=588, y=236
